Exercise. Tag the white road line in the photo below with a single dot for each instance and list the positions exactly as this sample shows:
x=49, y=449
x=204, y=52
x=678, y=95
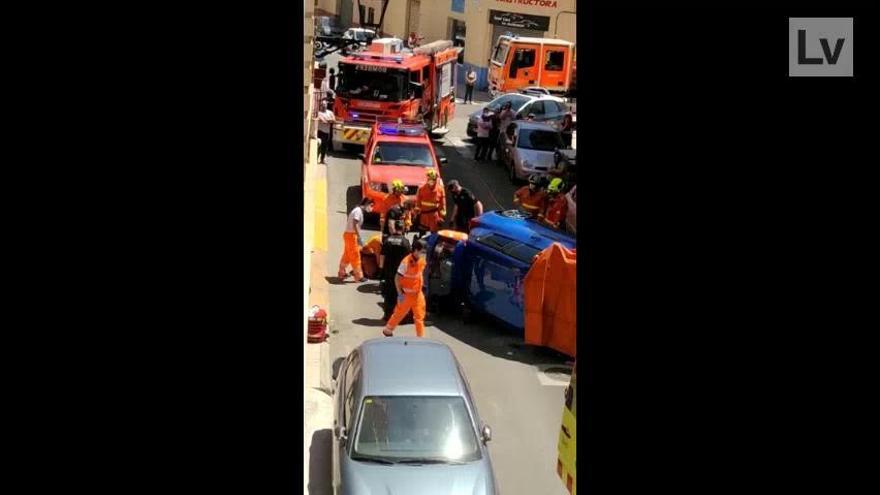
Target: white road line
x=458, y=143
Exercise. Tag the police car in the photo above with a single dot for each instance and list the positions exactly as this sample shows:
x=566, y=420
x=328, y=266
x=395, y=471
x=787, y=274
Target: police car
x=396, y=151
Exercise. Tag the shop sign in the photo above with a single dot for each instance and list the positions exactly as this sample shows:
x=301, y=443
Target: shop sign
x=534, y=3
x=522, y=21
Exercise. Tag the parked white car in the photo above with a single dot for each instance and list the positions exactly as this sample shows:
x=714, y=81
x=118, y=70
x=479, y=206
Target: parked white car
x=532, y=150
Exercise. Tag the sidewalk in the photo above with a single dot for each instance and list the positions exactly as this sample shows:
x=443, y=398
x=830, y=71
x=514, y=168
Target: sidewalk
x=318, y=401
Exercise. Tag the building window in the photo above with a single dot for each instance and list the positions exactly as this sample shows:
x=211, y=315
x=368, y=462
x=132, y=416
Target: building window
x=458, y=6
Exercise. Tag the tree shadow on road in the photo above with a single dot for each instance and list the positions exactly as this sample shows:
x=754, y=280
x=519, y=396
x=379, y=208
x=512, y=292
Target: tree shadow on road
x=320, y=463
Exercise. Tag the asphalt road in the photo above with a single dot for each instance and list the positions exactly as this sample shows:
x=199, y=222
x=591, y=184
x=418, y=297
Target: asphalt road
x=514, y=395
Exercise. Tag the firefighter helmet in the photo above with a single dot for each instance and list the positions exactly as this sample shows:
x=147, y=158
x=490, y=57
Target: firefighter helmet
x=397, y=185
x=555, y=186
x=431, y=173
x=535, y=179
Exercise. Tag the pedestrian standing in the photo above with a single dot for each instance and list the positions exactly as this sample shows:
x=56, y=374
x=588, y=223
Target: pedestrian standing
x=505, y=117
x=484, y=126
x=332, y=79
x=567, y=129
x=325, y=130
x=466, y=207
x=408, y=282
x=469, y=82
x=493, y=137
x=394, y=249
x=351, y=254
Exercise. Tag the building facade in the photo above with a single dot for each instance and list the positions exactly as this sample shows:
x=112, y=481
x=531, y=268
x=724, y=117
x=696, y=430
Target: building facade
x=476, y=25
x=473, y=24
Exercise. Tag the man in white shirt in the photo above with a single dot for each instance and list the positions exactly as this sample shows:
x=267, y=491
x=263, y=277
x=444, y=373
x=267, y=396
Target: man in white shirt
x=351, y=254
x=325, y=130
x=484, y=127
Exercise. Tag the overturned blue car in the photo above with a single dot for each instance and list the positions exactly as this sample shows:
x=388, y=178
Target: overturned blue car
x=485, y=269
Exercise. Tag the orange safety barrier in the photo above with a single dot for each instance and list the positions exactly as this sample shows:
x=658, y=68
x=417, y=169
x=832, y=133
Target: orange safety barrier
x=550, y=299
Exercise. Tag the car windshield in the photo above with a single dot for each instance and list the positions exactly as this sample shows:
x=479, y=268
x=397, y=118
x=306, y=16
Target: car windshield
x=370, y=82
x=500, y=53
x=414, y=154
x=538, y=139
x=413, y=429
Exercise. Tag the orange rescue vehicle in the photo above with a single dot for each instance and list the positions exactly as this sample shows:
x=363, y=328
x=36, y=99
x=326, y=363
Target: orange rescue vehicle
x=386, y=82
x=519, y=62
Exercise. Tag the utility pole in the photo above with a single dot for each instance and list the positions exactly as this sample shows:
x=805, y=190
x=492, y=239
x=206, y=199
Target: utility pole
x=556, y=23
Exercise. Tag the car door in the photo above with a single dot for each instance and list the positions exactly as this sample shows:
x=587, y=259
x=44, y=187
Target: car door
x=555, y=64
x=523, y=67
x=343, y=417
x=553, y=112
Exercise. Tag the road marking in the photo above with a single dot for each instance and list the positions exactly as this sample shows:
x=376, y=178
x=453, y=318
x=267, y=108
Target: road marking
x=553, y=375
x=458, y=143
x=320, y=240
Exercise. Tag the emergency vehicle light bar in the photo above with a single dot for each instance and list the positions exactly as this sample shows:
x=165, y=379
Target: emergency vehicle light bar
x=393, y=128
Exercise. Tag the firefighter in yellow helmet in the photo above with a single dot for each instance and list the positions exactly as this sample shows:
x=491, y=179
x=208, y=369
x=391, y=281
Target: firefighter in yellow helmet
x=431, y=202
x=394, y=198
x=555, y=205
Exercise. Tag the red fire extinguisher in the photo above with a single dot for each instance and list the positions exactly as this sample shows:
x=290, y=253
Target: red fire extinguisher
x=317, y=325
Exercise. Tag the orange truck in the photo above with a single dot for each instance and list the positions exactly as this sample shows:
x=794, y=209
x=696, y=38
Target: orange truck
x=386, y=82
x=519, y=62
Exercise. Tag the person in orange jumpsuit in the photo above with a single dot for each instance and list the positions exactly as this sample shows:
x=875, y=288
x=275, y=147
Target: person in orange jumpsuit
x=431, y=202
x=394, y=198
x=556, y=206
x=351, y=254
x=531, y=198
x=409, y=279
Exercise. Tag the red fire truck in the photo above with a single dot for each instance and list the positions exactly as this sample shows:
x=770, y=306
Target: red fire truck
x=385, y=82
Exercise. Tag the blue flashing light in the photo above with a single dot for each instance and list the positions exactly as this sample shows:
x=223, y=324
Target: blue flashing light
x=354, y=115
x=401, y=129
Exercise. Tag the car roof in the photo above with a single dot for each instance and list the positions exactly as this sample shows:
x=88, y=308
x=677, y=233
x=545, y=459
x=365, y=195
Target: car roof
x=409, y=366
x=521, y=230
x=391, y=138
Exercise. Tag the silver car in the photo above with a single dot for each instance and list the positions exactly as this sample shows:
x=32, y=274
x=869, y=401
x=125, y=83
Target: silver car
x=531, y=151
x=550, y=109
x=405, y=423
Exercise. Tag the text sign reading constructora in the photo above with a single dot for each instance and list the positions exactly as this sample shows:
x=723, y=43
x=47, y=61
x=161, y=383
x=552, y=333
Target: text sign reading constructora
x=372, y=68
x=510, y=19
x=536, y=3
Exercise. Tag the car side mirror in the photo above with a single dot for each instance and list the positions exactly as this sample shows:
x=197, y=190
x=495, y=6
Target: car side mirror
x=340, y=434
x=486, y=433
x=416, y=88
x=443, y=160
